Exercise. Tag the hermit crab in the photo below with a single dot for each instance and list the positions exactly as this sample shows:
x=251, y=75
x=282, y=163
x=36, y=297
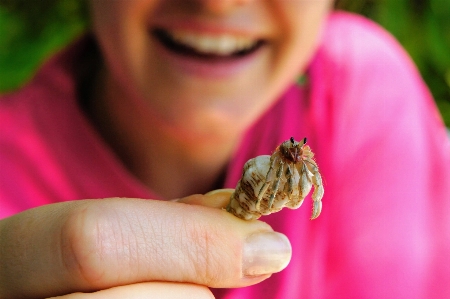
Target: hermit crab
x=284, y=179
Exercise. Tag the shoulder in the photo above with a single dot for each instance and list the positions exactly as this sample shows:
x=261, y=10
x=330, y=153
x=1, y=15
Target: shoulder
x=357, y=52
x=48, y=99
x=364, y=72
x=16, y=115
x=31, y=109
x=367, y=95
x=354, y=40
x=34, y=121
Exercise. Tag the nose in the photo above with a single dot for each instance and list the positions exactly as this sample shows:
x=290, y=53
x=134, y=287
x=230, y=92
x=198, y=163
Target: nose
x=222, y=6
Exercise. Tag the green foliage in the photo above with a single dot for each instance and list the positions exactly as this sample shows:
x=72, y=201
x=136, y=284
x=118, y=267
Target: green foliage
x=31, y=30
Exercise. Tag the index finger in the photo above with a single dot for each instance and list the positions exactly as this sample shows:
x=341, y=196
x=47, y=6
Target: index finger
x=97, y=244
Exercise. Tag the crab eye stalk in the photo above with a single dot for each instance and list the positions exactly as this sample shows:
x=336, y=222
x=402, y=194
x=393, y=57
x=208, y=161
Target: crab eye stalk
x=292, y=140
x=304, y=140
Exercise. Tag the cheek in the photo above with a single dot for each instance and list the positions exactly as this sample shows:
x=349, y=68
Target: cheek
x=300, y=25
x=121, y=29
x=111, y=27
x=305, y=21
x=119, y=10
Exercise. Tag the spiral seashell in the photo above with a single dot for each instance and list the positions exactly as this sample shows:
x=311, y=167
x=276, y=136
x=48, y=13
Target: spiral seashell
x=284, y=179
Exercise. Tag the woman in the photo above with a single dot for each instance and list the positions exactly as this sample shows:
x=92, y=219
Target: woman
x=169, y=99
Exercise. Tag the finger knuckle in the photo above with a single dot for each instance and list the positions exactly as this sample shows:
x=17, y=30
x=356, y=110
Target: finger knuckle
x=84, y=246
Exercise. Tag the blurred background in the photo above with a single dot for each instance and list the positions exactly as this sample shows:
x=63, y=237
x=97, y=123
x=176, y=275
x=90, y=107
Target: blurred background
x=31, y=30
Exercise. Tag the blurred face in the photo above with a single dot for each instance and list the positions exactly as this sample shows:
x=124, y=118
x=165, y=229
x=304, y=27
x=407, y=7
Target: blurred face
x=206, y=65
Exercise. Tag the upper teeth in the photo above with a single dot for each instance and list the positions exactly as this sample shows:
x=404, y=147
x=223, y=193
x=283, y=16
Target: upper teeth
x=224, y=44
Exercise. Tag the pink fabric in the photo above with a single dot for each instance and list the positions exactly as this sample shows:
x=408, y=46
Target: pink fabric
x=381, y=146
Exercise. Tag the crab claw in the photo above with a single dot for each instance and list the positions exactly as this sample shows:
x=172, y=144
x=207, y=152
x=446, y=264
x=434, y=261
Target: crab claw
x=317, y=195
x=317, y=208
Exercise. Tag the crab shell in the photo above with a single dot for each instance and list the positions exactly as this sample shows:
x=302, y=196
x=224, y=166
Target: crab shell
x=243, y=202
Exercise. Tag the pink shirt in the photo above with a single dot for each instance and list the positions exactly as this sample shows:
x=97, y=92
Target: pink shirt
x=381, y=146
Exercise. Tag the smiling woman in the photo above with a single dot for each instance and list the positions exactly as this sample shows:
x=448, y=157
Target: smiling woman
x=229, y=91
x=50, y=24
x=105, y=152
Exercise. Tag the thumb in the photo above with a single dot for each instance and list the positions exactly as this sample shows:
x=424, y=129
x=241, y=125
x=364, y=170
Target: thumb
x=218, y=199
x=147, y=290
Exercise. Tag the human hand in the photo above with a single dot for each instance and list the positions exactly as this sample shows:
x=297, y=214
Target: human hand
x=131, y=245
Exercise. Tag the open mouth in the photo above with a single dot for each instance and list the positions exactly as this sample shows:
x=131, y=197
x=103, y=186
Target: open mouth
x=208, y=47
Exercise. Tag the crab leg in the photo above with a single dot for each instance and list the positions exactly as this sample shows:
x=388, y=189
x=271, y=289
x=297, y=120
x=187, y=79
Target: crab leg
x=289, y=187
x=295, y=200
x=266, y=184
x=276, y=185
x=305, y=182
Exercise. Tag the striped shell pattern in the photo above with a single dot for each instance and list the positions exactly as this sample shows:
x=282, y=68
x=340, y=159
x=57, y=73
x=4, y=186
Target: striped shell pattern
x=284, y=179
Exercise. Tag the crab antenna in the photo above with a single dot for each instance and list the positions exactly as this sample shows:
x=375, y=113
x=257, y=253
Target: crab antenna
x=292, y=140
x=304, y=140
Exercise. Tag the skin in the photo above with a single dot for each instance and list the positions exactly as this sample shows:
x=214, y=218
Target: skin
x=203, y=116
x=192, y=126
x=91, y=245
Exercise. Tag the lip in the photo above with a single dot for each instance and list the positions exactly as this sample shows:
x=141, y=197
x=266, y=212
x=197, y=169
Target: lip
x=249, y=29
x=206, y=67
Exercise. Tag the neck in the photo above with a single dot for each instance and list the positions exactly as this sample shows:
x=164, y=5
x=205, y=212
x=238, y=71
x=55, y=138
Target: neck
x=172, y=164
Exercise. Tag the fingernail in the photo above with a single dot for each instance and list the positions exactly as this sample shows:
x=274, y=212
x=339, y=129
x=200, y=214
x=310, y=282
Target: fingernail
x=220, y=191
x=265, y=253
